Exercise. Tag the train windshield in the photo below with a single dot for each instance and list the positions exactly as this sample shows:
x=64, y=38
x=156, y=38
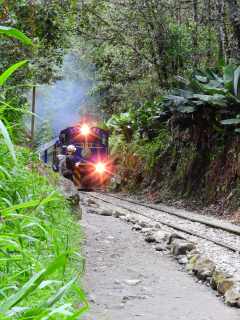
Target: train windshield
x=83, y=134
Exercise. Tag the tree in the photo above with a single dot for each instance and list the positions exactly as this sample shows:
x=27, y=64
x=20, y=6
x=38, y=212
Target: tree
x=234, y=17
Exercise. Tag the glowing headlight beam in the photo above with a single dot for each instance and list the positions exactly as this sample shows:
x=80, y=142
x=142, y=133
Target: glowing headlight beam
x=100, y=167
x=85, y=130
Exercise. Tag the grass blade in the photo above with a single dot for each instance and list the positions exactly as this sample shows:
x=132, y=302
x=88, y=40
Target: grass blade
x=32, y=284
x=26, y=289
x=28, y=204
x=6, y=74
x=8, y=141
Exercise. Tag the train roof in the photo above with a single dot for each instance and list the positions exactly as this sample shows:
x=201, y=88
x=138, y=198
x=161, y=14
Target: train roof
x=47, y=145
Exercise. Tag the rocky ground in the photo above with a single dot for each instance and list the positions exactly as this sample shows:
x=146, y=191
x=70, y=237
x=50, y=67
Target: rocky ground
x=127, y=277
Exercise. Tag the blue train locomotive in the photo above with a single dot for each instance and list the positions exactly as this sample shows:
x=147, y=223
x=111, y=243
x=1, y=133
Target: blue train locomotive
x=91, y=167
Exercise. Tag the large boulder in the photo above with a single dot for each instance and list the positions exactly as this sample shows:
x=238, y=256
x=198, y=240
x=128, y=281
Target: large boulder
x=232, y=296
x=203, y=268
x=221, y=282
x=157, y=236
x=181, y=247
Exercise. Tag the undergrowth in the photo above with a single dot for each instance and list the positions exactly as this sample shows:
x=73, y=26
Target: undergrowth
x=40, y=263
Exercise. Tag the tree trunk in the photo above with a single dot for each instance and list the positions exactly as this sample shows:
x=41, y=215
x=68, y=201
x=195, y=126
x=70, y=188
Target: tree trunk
x=222, y=31
x=195, y=34
x=209, y=36
x=234, y=17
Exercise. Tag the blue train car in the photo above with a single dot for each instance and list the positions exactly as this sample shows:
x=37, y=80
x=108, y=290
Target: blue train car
x=92, y=167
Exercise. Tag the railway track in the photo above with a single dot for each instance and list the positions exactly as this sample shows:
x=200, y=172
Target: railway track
x=223, y=234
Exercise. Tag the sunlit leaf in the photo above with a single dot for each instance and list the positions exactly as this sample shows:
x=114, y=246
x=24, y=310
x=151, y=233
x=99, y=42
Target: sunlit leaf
x=15, y=33
x=6, y=74
x=230, y=121
x=236, y=80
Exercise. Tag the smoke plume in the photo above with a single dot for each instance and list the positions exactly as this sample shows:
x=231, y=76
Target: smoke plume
x=61, y=104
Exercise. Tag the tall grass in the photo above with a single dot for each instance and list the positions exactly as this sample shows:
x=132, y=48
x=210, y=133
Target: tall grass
x=40, y=264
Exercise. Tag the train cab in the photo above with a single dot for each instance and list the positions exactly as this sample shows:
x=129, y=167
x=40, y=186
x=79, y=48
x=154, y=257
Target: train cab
x=92, y=168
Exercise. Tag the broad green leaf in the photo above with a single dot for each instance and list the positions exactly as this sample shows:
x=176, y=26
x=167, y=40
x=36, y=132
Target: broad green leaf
x=236, y=80
x=15, y=33
x=6, y=74
x=228, y=73
x=215, y=100
x=186, y=109
x=8, y=141
x=230, y=121
x=201, y=79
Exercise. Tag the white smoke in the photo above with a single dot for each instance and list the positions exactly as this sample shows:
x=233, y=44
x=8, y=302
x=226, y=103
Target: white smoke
x=62, y=103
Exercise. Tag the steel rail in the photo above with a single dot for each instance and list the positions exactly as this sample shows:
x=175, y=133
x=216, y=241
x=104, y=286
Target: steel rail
x=216, y=225
x=173, y=226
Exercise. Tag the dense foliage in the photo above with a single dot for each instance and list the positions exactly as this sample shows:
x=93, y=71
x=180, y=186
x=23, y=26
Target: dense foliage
x=40, y=243
x=50, y=26
x=138, y=47
x=40, y=259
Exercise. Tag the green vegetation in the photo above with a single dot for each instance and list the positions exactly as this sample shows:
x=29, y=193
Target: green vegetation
x=40, y=240
x=167, y=79
x=168, y=76
x=40, y=244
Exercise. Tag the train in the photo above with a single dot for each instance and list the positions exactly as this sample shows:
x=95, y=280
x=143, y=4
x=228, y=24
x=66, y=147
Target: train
x=91, y=167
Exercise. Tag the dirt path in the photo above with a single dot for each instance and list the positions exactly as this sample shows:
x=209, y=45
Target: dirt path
x=127, y=279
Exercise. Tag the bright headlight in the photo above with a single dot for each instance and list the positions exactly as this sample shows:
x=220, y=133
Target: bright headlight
x=85, y=130
x=100, y=167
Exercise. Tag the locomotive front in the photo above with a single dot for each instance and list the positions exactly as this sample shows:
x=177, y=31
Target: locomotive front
x=91, y=166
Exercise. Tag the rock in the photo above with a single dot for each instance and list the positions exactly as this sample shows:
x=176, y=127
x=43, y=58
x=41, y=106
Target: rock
x=117, y=214
x=192, y=260
x=123, y=218
x=160, y=236
x=132, y=220
x=92, y=298
x=150, y=238
x=232, y=296
x=132, y=282
x=105, y=212
x=221, y=282
x=182, y=259
x=181, y=247
x=147, y=230
x=74, y=199
x=225, y=285
x=90, y=202
x=203, y=268
x=160, y=247
x=174, y=236
x=137, y=228
x=92, y=211
x=143, y=224
x=192, y=253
